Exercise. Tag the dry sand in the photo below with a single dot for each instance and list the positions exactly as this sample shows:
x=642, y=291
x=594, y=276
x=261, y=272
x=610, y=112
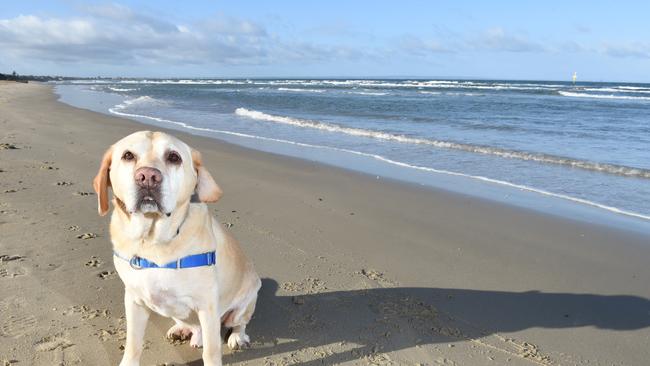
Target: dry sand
x=357, y=270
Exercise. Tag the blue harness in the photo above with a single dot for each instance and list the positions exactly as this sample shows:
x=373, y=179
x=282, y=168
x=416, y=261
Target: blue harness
x=190, y=261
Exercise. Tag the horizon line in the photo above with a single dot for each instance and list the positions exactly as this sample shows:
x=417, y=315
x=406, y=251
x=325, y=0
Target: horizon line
x=321, y=77
x=324, y=77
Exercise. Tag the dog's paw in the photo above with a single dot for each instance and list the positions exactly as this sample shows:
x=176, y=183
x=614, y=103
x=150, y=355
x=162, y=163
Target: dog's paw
x=239, y=340
x=179, y=332
x=197, y=339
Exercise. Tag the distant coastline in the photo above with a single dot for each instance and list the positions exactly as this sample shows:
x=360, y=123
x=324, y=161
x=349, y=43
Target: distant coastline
x=46, y=78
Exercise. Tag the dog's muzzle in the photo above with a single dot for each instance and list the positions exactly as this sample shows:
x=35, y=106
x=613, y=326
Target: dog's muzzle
x=148, y=181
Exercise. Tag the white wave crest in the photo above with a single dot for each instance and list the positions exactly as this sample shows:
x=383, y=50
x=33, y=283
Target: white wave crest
x=634, y=88
x=88, y=81
x=486, y=150
x=186, y=82
x=393, y=162
x=465, y=94
x=121, y=89
x=617, y=90
x=299, y=90
x=145, y=99
x=633, y=91
x=600, y=96
x=367, y=93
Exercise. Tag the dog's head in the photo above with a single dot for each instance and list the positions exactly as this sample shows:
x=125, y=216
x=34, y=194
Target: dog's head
x=153, y=173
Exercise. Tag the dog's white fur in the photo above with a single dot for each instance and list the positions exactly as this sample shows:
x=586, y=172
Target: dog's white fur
x=199, y=299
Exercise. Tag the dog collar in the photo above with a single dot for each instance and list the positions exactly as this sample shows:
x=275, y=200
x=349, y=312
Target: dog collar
x=190, y=261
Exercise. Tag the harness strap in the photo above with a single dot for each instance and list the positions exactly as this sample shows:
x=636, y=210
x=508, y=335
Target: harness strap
x=190, y=261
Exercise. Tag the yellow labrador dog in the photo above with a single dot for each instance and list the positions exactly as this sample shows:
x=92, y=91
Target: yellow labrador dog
x=172, y=255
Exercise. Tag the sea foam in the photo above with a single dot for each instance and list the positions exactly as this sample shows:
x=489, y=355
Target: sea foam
x=302, y=90
x=121, y=89
x=600, y=96
x=486, y=150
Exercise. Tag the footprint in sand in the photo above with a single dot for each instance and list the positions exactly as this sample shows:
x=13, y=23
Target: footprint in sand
x=9, y=258
x=8, y=146
x=375, y=275
x=11, y=273
x=48, y=165
x=55, y=349
x=53, y=342
x=104, y=275
x=13, y=321
x=86, y=312
x=93, y=262
x=17, y=325
x=64, y=183
x=309, y=285
x=11, y=270
x=87, y=236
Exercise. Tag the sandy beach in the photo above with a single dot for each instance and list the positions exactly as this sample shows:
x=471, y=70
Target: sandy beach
x=357, y=270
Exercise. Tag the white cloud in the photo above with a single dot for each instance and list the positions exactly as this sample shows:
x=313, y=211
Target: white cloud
x=37, y=31
x=117, y=36
x=114, y=34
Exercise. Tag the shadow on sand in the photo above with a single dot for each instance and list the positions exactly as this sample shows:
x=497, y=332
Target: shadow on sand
x=340, y=326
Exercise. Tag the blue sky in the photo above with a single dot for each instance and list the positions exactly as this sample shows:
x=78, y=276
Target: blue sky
x=601, y=40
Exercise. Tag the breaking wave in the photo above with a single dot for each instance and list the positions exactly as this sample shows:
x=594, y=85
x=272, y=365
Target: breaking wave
x=121, y=89
x=298, y=90
x=145, y=99
x=486, y=150
x=367, y=93
x=600, y=96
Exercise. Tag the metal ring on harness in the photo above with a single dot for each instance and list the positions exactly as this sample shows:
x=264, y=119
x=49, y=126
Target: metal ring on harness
x=135, y=262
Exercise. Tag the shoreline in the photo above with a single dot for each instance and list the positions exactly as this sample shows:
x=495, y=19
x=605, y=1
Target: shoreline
x=476, y=186
x=357, y=270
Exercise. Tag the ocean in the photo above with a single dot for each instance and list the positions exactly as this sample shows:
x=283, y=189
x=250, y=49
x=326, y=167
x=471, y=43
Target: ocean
x=534, y=143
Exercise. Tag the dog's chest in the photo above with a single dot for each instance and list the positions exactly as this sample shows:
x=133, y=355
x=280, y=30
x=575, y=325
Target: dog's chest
x=163, y=291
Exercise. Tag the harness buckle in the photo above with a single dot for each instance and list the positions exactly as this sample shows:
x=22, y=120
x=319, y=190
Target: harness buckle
x=135, y=262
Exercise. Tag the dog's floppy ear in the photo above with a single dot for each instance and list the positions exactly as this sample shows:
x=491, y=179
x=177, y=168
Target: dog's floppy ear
x=102, y=181
x=206, y=188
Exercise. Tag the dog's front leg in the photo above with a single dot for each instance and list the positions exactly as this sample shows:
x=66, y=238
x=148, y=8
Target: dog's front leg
x=136, y=323
x=211, y=329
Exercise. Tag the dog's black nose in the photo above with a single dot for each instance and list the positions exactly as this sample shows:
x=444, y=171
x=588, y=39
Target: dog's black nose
x=148, y=177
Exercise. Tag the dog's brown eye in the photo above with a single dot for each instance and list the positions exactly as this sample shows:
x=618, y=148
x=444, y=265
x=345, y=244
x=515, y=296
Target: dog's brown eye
x=128, y=156
x=174, y=158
